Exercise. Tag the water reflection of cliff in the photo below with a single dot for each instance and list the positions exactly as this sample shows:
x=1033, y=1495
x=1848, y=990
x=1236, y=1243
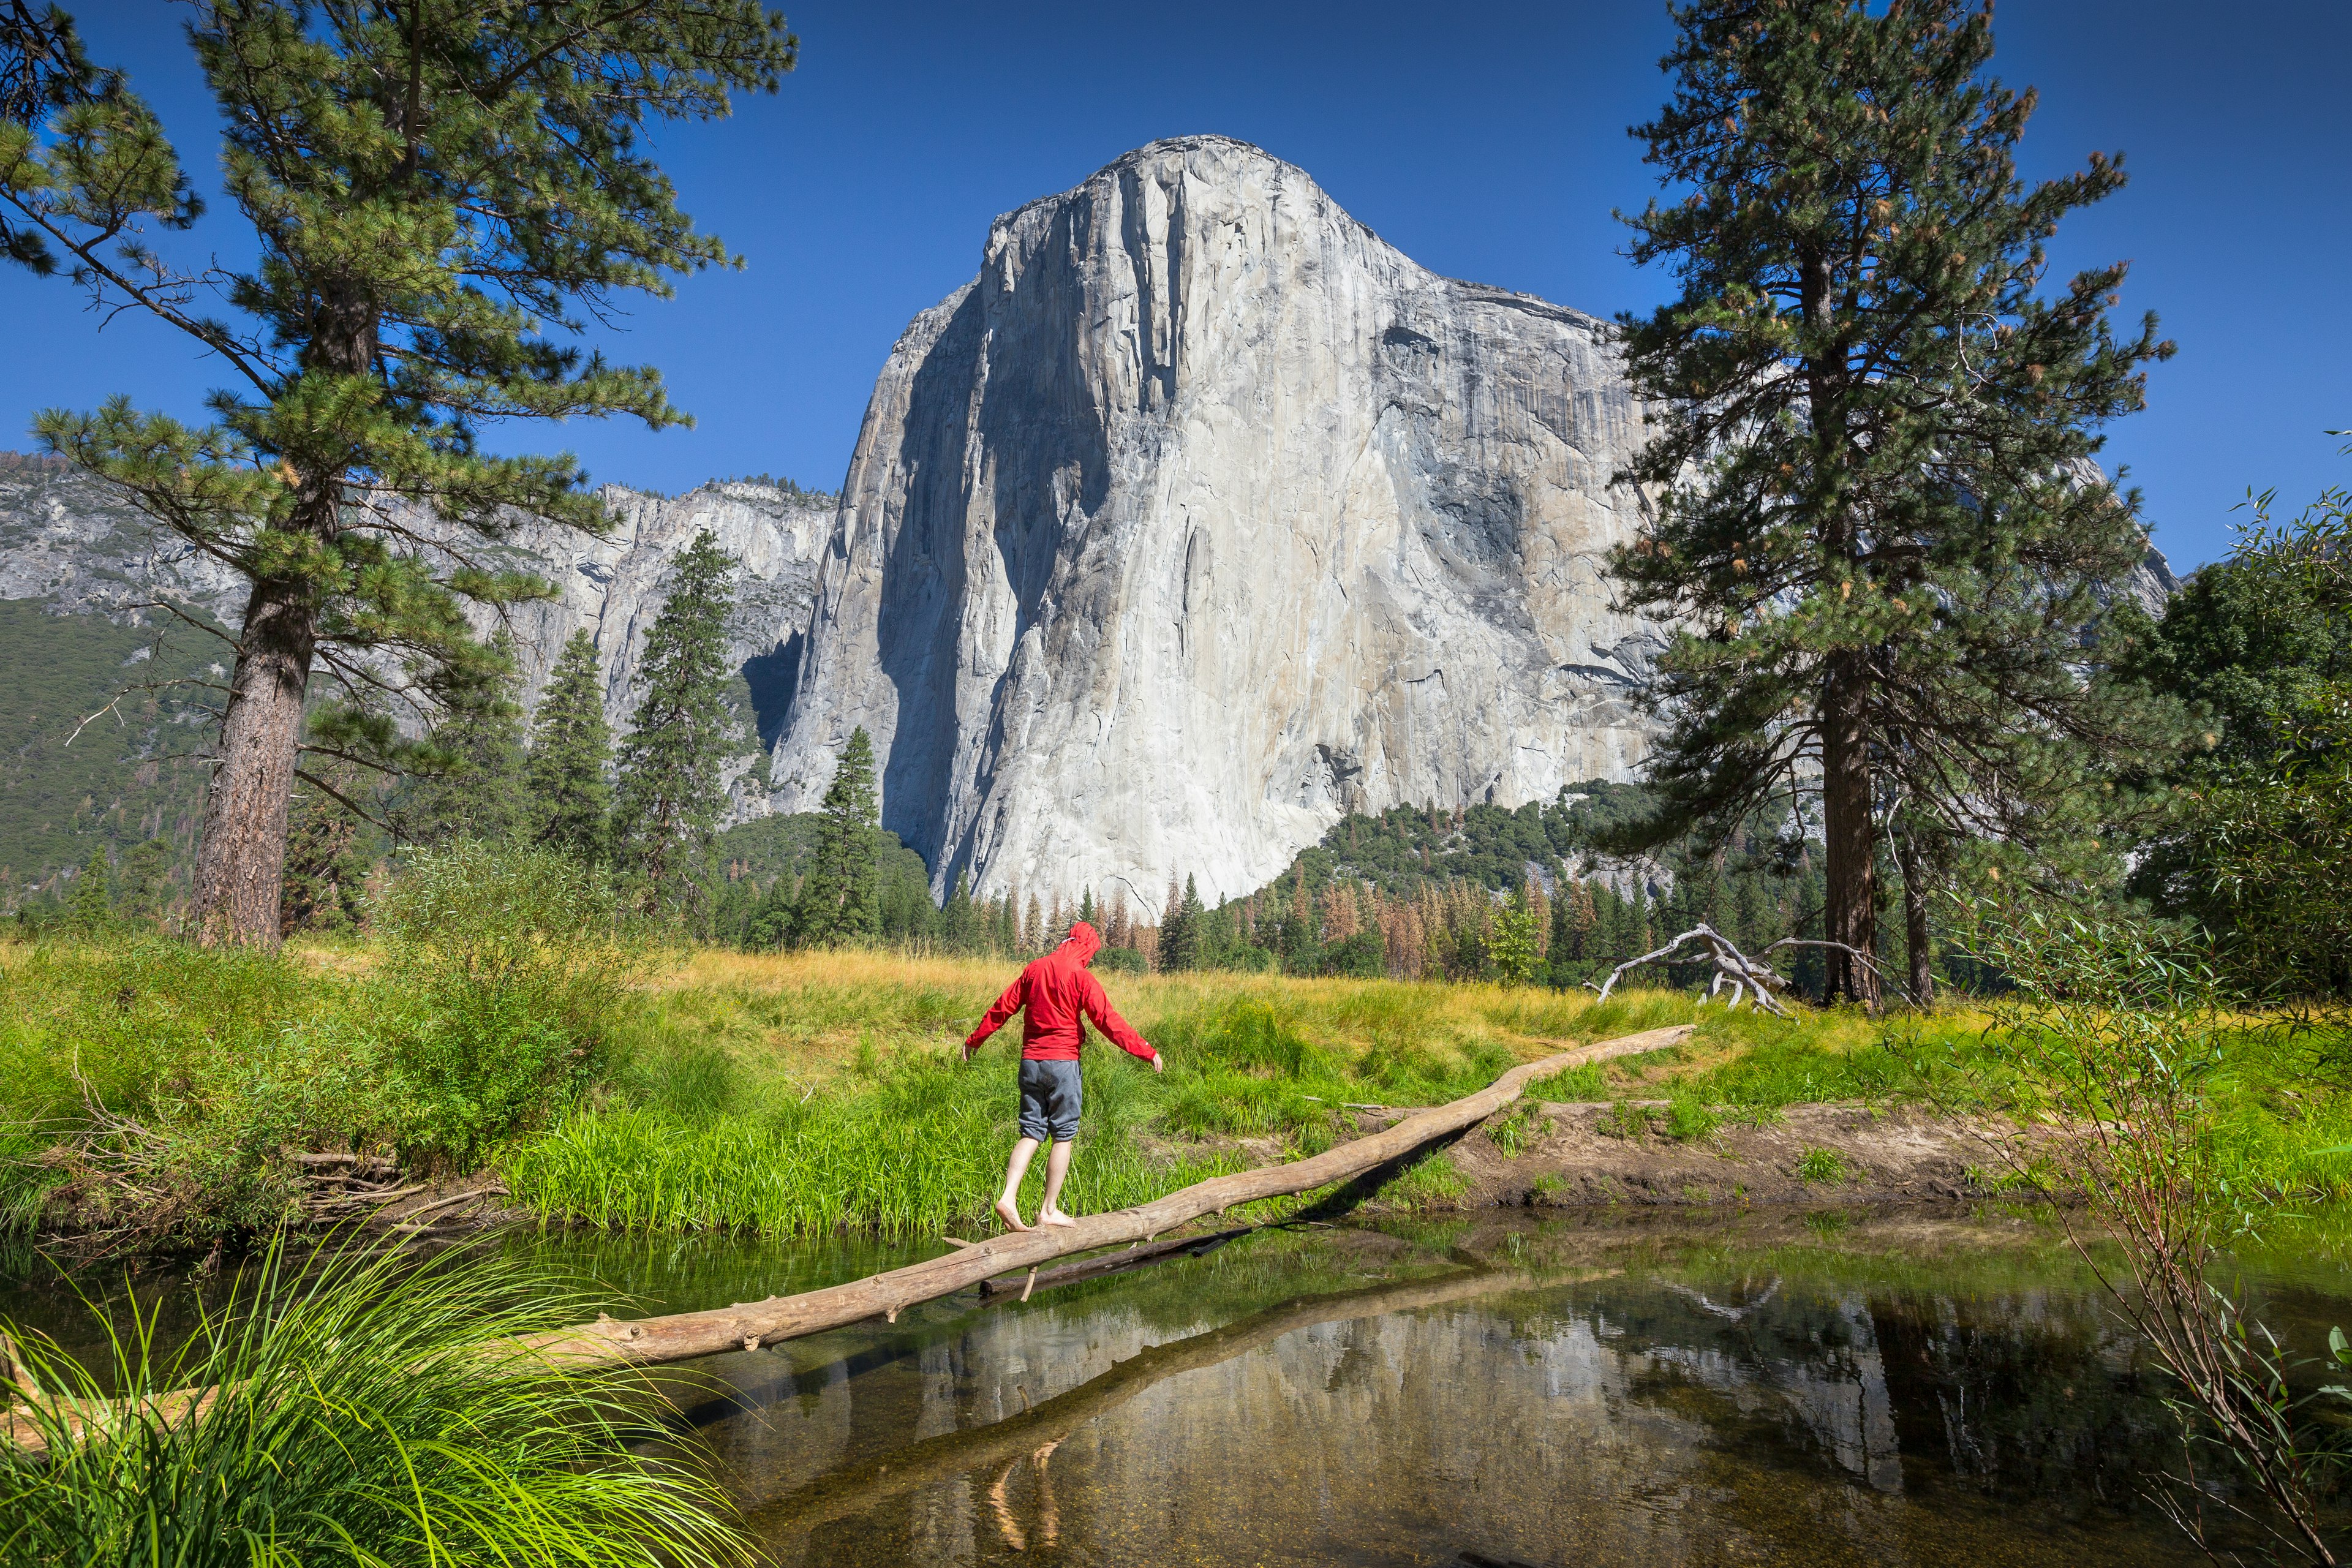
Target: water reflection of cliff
x=1477, y=1410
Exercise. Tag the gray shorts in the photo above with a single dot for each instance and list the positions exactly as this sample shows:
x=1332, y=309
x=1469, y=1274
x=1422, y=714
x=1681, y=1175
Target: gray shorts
x=1049, y=1101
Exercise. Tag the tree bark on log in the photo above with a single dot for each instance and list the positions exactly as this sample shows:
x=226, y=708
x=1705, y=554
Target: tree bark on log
x=684, y=1336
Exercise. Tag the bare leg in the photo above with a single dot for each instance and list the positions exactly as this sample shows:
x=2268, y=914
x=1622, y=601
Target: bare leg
x=1057, y=1166
x=1008, y=1207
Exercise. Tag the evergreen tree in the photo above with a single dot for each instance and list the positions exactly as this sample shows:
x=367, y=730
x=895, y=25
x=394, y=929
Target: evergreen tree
x=666, y=800
x=89, y=907
x=433, y=193
x=772, y=920
x=1191, y=928
x=957, y=924
x=470, y=782
x=838, y=901
x=146, y=882
x=1879, y=523
x=1175, y=940
x=1511, y=946
x=1086, y=909
x=570, y=751
x=326, y=865
x=1004, y=927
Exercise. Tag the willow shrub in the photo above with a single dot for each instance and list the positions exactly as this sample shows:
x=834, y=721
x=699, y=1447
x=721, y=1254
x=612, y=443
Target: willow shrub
x=362, y=1409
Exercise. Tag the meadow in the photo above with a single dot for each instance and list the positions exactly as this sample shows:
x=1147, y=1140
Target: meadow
x=153, y=1091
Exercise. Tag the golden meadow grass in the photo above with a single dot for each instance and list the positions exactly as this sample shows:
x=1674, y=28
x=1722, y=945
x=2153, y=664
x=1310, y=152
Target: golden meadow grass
x=798, y=1093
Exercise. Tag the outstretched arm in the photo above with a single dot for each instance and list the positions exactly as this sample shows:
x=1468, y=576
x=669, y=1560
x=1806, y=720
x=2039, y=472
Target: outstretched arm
x=1114, y=1029
x=1006, y=1005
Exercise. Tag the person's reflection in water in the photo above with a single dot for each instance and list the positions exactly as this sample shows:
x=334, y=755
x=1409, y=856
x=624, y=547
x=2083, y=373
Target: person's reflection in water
x=999, y=1502
x=1049, y=1522
x=1008, y=1526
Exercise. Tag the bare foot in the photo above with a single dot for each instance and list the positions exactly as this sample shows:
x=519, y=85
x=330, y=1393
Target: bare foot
x=1055, y=1216
x=1010, y=1215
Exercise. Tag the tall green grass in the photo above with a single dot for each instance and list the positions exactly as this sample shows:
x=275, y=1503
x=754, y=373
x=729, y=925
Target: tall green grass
x=914, y=1147
x=151, y=1089
x=360, y=1413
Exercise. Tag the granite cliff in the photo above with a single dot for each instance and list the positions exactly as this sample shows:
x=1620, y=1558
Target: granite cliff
x=1202, y=516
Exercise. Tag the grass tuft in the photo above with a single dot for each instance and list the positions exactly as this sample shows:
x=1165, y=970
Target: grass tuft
x=356, y=1417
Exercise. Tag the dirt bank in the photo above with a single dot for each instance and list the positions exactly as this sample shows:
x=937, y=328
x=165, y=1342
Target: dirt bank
x=1598, y=1156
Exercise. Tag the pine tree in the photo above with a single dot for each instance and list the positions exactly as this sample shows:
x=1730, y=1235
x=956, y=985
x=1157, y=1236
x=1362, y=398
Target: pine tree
x=1190, y=921
x=1511, y=945
x=89, y=907
x=839, y=900
x=1004, y=928
x=145, y=882
x=434, y=194
x=326, y=869
x=569, y=795
x=774, y=918
x=1086, y=908
x=666, y=800
x=1175, y=943
x=1879, y=525
x=956, y=924
x=470, y=782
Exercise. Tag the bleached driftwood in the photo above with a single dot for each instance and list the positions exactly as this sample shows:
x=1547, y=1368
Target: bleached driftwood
x=1746, y=977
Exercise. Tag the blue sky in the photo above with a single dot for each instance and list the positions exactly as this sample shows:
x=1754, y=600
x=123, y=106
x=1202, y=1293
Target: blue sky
x=1486, y=142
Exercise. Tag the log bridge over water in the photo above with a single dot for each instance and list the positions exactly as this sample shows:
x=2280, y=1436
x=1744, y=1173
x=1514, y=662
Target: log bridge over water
x=684, y=1336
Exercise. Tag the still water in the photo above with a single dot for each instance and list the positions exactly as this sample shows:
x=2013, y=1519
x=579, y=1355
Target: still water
x=1499, y=1391
x=1589, y=1393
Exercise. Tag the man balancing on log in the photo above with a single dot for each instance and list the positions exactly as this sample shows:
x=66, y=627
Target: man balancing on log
x=1060, y=996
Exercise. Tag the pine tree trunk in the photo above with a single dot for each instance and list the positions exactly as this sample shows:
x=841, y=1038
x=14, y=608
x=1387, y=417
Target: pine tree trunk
x=241, y=862
x=1851, y=913
x=1914, y=918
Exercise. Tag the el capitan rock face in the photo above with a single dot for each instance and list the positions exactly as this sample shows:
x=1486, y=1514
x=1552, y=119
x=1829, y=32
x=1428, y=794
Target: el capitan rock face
x=1202, y=516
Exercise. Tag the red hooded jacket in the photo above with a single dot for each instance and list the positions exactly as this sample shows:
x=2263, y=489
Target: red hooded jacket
x=1060, y=996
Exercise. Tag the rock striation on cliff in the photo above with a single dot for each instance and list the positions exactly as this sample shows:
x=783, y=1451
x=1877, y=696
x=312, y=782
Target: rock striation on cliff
x=1204, y=516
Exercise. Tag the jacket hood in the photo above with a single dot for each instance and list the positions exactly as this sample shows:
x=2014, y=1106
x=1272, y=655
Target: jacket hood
x=1082, y=943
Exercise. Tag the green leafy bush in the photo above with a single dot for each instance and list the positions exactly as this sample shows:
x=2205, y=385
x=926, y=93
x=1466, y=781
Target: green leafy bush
x=502, y=969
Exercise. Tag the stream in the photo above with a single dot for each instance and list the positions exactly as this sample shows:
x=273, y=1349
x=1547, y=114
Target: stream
x=1492, y=1390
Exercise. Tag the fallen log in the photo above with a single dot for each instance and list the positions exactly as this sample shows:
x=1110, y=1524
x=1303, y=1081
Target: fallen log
x=684, y=1336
